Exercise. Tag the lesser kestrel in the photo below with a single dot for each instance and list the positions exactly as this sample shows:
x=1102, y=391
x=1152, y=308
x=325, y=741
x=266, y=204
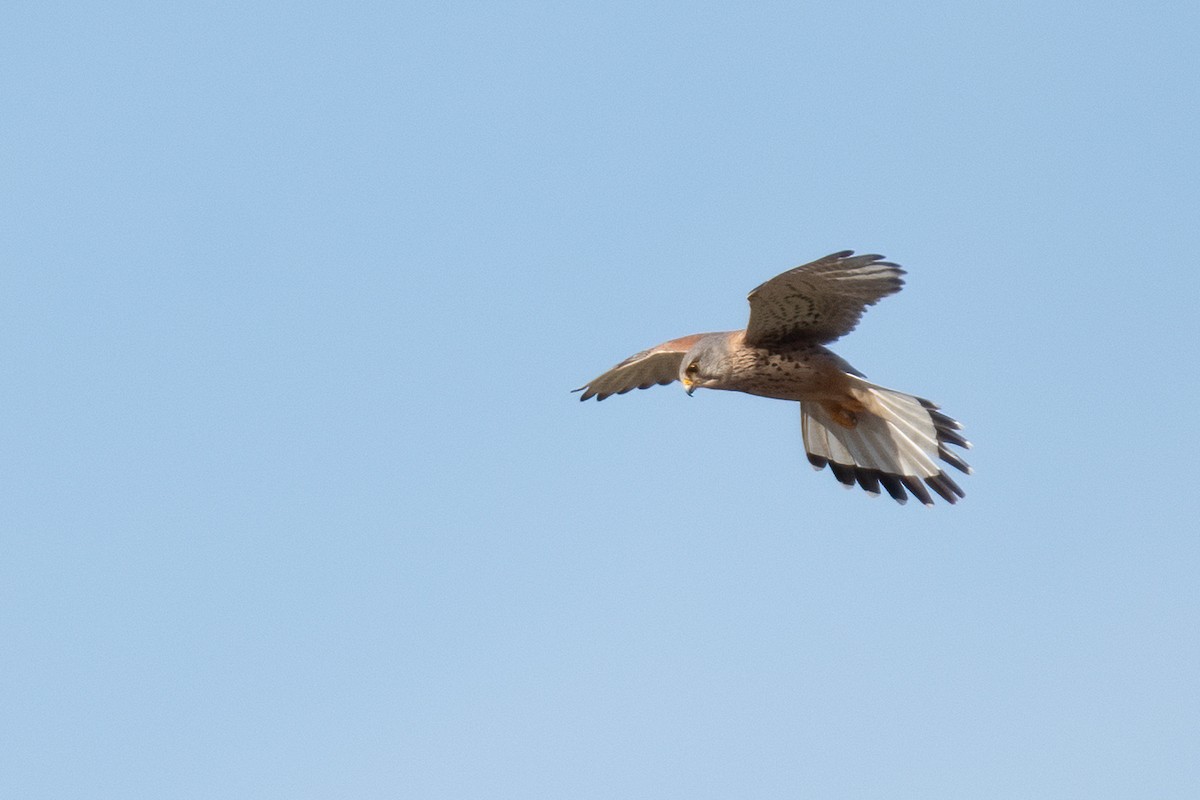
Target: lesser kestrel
x=865, y=433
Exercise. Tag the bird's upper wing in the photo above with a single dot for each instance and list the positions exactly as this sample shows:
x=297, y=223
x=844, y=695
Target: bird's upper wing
x=656, y=366
x=821, y=301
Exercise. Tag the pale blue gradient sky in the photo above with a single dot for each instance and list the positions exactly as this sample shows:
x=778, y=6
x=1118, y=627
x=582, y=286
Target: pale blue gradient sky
x=296, y=501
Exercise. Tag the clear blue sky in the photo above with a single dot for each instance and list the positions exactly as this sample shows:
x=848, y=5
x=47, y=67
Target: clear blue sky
x=296, y=501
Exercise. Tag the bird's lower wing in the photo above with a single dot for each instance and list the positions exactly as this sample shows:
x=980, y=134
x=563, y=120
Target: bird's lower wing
x=890, y=439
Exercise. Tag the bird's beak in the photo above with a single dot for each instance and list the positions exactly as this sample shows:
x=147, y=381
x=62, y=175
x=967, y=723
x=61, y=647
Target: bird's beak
x=689, y=386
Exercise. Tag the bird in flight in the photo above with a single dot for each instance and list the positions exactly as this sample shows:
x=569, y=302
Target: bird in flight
x=865, y=433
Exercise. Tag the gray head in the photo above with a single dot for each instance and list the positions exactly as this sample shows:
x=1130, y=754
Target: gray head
x=707, y=363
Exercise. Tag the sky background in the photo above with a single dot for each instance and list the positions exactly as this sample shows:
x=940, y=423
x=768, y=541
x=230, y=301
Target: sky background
x=296, y=502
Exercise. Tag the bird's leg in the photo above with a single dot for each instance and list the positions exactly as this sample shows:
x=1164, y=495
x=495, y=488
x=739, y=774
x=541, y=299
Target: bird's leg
x=844, y=412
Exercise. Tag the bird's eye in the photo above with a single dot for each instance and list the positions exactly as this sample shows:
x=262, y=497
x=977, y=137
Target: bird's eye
x=693, y=368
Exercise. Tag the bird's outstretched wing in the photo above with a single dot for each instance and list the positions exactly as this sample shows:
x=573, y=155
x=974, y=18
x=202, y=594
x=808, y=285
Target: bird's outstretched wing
x=657, y=366
x=821, y=301
x=895, y=441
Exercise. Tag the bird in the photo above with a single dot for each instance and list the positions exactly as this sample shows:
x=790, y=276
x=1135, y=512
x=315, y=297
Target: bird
x=866, y=434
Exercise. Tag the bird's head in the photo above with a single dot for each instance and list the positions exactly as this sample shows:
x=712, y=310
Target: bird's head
x=704, y=364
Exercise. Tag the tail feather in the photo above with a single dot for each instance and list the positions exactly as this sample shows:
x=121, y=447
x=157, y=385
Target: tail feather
x=895, y=443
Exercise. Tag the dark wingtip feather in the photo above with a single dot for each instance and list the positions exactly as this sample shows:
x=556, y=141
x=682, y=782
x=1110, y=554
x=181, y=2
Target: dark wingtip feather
x=818, y=463
x=947, y=429
x=914, y=485
x=893, y=486
x=868, y=479
x=951, y=437
x=844, y=473
x=940, y=420
x=946, y=487
x=953, y=459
